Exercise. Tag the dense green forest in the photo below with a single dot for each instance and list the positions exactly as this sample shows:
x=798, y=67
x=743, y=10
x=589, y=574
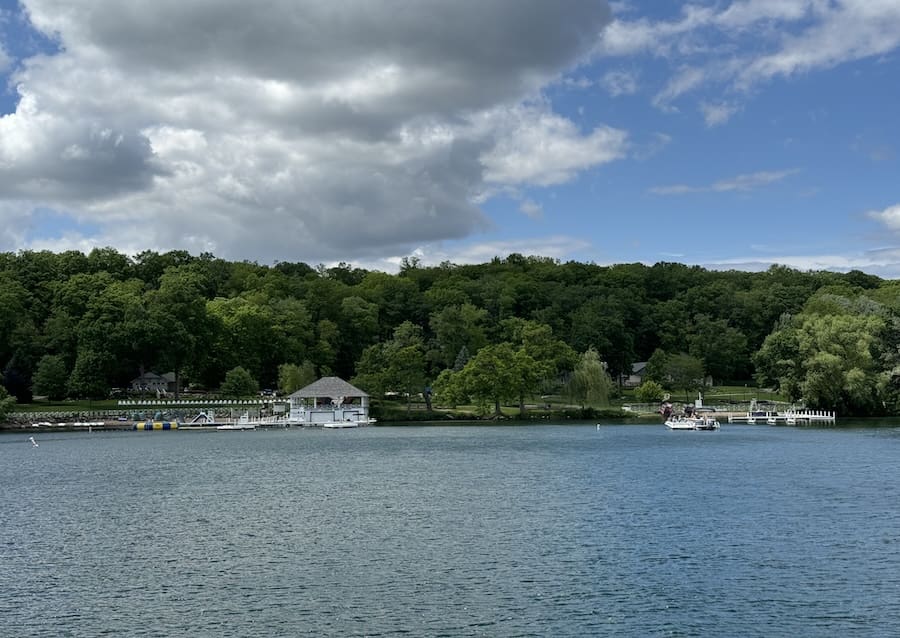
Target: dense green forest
x=76, y=325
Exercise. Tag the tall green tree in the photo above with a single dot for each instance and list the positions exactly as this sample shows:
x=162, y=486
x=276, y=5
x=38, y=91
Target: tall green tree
x=293, y=327
x=292, y=377
x=397, y=365
x=358, y=325
x=448, y=388
x=51, y=377
x=89, y=378
x=833, y=355
x=541, y=357
x=456, y=327
x=491, y=376
x=722, y=348
x=326, y=347
x=839, y=359
x=14, y=300
x=239, y=383
x=115, y=339
x=656, y=368
x=245, y=336
x=7, y=403
x=685, y=373
x=178, y=308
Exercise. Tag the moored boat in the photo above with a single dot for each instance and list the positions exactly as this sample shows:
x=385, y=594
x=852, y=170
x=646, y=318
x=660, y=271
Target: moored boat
x=335, y=425
x=348, y=423
x=692, y=423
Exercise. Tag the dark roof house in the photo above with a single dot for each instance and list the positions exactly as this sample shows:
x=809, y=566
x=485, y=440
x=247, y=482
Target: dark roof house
x=637, y=375
x=152, y=382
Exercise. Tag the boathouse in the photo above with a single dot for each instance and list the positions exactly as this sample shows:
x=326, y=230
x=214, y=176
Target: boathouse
x=329, y=400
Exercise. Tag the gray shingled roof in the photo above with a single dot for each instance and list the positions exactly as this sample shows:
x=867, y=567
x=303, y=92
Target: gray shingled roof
x=330, y=387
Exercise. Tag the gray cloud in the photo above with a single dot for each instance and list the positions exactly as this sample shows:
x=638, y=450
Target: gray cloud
x=289, y=129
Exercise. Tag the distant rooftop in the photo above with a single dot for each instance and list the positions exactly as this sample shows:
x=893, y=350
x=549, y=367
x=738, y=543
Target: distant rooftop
x=331, y=387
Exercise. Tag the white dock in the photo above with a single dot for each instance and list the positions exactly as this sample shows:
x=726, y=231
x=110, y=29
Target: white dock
x=798, y=417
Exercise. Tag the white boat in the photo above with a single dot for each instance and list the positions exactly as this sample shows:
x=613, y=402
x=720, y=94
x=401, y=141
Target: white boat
x=333, y=425
x=692, y=423
x=243, y=423
x=348, y=423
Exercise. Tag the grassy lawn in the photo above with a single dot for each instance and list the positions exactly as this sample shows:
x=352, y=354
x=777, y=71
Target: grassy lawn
x=722, y=394
x=741, y=394
x=536, y=407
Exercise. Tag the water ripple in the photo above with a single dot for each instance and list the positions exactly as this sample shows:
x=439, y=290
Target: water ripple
x=508, y=531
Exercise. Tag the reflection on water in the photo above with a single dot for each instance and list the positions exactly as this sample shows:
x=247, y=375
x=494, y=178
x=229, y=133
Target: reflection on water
x=452, y=531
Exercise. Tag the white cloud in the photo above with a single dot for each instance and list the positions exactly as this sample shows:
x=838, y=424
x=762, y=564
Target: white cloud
x=620, y=82
x=578, y=83
x=655, y=144
x=624, y=37
x=532, y=209
x=543, y=148
x=883, y=264
x=717, y=114
x=304, y=131
x=554, y=247
x=687, y=79
x=734, y=47
x=742, y=183
x=747, y=13
x=846, y=31
x=889, y=217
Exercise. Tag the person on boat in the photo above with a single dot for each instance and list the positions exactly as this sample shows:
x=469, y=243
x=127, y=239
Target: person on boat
x=666, y=411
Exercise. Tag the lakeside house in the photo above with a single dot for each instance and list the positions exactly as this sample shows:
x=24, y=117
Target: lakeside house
x=152, y=382
x=329, y=400
x=639, y=370
x=636, y=377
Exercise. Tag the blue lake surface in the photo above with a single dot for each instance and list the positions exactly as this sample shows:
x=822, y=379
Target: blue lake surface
x=559, y=530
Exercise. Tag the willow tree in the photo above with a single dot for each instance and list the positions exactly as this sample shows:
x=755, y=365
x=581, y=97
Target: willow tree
x=590, y=383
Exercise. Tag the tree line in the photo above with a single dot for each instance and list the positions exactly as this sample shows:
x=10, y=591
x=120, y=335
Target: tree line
x=77, y=325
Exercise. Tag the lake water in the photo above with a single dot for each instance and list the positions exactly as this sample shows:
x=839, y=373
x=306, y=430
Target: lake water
x=452, y=531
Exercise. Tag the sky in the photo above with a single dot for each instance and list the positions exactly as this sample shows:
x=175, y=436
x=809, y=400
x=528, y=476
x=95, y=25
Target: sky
x=727, y=134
